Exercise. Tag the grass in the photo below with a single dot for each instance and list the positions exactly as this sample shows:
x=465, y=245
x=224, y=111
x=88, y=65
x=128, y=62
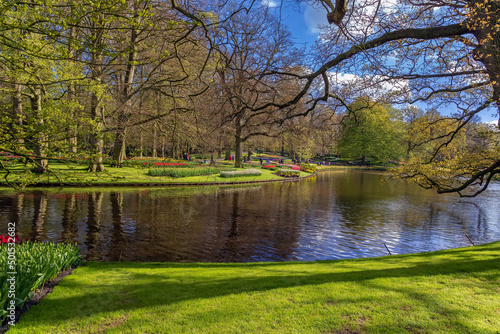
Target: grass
x=453, y=291
x=77, y=174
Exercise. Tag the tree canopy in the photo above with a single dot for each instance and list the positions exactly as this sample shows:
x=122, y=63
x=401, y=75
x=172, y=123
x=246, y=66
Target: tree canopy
x=372, y=131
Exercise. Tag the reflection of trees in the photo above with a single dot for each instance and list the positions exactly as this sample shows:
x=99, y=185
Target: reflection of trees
x=16, y=209
x=93, y=222
x=117, y=243
x=70, y=231
x=39, y=214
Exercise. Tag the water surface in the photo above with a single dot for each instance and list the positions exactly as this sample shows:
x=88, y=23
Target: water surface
x=331, y=216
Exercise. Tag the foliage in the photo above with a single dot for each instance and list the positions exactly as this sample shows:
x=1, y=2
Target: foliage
x=372, y=131
x=443, y=165
x=183, y=172
x=238, y=173
x=35, y=264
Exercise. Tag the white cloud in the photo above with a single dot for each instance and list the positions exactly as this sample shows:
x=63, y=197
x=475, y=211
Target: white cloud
x=492, y=123
x=375, y=86
x=270, y=3
x=314, y=17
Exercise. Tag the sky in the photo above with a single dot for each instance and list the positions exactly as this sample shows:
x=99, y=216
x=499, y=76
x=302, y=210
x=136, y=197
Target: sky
x=304, y=21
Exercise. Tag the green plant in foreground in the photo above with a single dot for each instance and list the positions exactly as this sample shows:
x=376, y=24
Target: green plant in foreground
x=35, y=263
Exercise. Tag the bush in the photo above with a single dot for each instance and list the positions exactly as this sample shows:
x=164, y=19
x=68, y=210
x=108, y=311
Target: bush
x=271, y=167
x=183, y=172
x=244, y=172
x=288, y=173
x=35, y=264
x=309, y=168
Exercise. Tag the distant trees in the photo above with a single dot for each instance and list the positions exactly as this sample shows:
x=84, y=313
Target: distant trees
x=372, y=130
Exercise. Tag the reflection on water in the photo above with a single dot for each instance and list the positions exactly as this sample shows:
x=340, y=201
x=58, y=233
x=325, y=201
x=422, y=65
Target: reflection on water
x=331, y=216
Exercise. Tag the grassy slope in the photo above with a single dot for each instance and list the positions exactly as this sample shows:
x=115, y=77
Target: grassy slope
x=78, y=174
x=454, y=291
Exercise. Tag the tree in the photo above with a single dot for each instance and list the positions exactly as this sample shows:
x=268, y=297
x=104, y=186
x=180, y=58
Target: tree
x=372, y=131
x=251, y=47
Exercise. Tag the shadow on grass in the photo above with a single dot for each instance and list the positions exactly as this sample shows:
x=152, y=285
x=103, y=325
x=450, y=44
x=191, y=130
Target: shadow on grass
x=127, y=287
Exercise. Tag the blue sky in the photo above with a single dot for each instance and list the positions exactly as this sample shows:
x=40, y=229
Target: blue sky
x=301, y=19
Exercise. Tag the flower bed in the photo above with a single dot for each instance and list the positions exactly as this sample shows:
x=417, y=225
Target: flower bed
x=183, y=172
x=309, y=168
x=244, y=172
x=288, y=173
x=270, y=167
x=34, y=264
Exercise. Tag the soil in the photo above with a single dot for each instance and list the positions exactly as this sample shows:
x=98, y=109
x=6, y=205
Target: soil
x=48, y=287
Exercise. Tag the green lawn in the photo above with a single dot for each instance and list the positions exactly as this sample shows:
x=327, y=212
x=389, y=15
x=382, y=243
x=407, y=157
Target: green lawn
x=454, y=291
x=78, y=175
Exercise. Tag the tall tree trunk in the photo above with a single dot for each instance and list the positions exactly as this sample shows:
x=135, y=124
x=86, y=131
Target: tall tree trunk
x=17, y=116
x=141, y=142
x=238, y=143
x=41, y=144
x=155, y=144
x=95, y=137
x=73, y=126
x=119, y=150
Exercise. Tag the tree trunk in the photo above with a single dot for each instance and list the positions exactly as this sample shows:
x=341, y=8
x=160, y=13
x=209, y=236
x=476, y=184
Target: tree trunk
x=238, y=154
x=119, y=153
x=17, y=115
x=41, y=144
x=72, y=127
x=155, y=144
x=141, y=142
x=95, y=137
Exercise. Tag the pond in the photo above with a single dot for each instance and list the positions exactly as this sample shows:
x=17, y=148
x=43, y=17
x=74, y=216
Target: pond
x=334, y=215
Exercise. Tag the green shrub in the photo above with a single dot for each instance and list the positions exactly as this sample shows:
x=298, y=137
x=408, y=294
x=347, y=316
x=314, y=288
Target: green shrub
x=35, y=264
x=183, y=172
x=243, y=172
x=288, y=173
x=309, y=168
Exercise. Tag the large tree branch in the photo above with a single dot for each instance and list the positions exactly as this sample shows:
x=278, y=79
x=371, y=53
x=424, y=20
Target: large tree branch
x=392, y=36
